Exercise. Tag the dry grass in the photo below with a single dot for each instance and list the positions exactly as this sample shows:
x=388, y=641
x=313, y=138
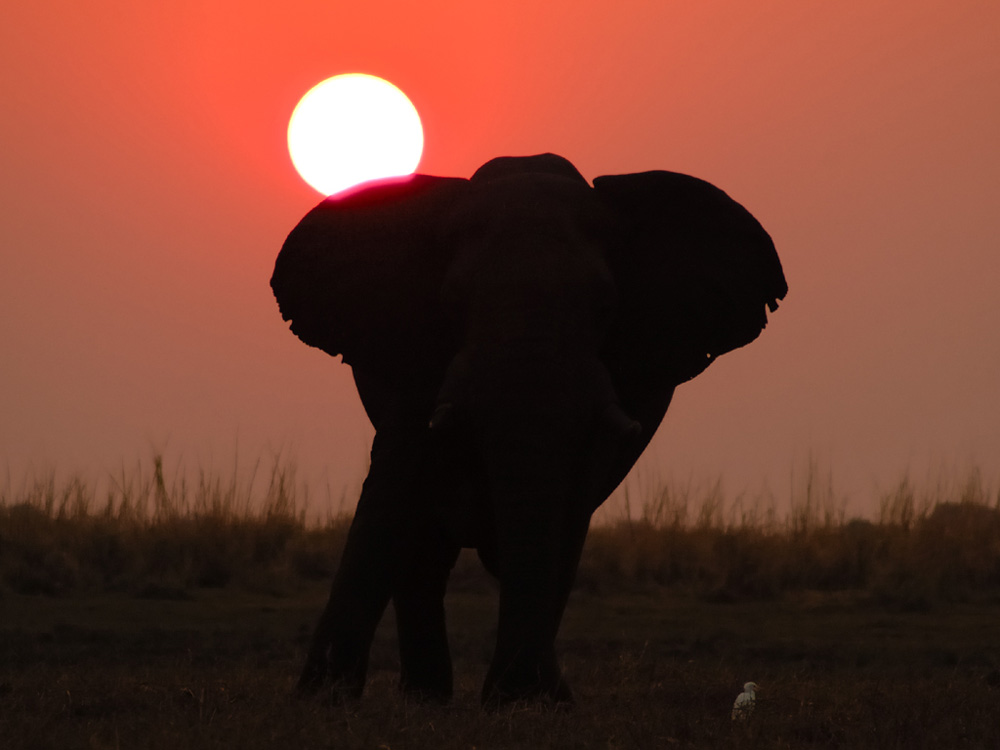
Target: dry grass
x=155, y=538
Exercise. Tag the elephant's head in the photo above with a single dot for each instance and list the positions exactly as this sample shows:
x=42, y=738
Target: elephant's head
x=523, y=288
x=545, y=321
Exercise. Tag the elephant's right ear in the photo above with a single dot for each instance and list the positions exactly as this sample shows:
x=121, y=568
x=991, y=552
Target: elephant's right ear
x=694, y=270
x=360, y=275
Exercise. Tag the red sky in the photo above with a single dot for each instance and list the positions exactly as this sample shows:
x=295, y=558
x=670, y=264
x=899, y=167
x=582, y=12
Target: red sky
x=146, y=190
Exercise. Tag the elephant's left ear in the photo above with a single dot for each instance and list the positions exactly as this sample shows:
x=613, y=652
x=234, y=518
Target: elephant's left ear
x=694, y=270
x=361, y=274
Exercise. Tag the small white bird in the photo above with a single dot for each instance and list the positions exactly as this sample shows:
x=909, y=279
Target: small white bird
x=744, y=703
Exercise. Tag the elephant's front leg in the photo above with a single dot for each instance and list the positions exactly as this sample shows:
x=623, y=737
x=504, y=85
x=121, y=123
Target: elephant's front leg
x=538, y=552
x=373, y=557
x=418, y=599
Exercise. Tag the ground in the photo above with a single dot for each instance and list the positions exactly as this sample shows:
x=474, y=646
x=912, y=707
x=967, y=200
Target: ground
x=652, y=667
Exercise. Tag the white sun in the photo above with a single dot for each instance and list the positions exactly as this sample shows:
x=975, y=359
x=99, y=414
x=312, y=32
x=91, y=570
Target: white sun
x=352, y=128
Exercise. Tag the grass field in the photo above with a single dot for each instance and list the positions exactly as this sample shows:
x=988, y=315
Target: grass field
x=163, y=616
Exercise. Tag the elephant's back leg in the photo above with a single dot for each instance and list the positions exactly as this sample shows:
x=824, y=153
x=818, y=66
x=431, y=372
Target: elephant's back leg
x=372, y=558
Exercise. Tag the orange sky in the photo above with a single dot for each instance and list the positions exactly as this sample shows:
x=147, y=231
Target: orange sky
x=146, y=190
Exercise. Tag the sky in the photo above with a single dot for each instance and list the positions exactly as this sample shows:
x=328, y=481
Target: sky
x=146, y=190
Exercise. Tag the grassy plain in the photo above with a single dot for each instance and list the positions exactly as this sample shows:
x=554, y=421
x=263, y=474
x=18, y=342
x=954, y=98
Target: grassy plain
x=163, y=616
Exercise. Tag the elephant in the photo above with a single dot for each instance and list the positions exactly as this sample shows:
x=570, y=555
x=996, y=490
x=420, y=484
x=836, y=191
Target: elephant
x=515, y=339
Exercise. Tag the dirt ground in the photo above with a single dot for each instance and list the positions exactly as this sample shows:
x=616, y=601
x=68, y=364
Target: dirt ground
x=650, y=669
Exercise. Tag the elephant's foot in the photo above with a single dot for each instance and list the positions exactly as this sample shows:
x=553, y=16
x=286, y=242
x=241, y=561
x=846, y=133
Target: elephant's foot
x=558, y=697
x=316, y=678
x=340, y=692
x=314, y=674
x=426, y=696
x=548, y=690
x=332, y=693
x=425, y=674
x=434, y=686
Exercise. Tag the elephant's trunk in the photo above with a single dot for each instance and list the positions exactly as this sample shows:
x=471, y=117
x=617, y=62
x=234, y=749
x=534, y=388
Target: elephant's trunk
x=535, y=425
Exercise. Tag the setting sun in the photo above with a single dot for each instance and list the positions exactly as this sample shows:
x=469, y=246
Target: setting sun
x=353, y=128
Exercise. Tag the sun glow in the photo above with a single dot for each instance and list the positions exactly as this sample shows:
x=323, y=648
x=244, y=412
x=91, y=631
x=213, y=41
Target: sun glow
x=353, y=128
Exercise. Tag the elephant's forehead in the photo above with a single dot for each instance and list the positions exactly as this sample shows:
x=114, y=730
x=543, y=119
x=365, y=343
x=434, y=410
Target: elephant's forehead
x=526, y=191
x=534, y=206
x=542, y=275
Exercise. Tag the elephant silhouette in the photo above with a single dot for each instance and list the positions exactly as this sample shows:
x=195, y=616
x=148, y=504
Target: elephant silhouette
x=515, y=339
